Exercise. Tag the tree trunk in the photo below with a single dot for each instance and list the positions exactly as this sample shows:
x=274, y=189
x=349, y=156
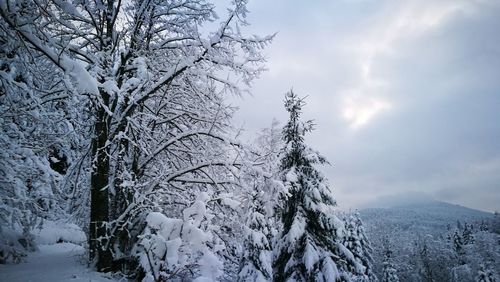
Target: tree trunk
x=99, y=198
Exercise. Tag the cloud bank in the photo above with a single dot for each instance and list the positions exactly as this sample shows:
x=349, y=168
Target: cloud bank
x=406, y=94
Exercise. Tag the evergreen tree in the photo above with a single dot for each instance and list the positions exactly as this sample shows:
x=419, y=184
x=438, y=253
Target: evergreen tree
x=485, y=275
x=357, y=242
x=483, y=226
x=495, y=223
x=257, y=256
x=458, y=246
x=426, y=268
x=309, y=248
x=390, y=272
x=467, y=236
x=457, y=243
x=259, y=175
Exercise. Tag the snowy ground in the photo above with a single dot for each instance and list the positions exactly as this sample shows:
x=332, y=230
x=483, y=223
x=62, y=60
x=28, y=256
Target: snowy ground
x=55, y=262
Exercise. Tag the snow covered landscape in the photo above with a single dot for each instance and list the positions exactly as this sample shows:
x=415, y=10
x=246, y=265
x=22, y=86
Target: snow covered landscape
x=60, y=255
x=122, y=157
x=59, y=262
x=433, y=241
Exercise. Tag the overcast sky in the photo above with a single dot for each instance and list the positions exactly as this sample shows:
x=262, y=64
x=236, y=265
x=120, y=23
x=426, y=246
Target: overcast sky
x=405, y=94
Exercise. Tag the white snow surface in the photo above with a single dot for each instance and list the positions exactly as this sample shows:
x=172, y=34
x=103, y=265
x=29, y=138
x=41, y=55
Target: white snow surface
x=291, y=176
x=52, y=232
x=311, y=257
x=54, y=263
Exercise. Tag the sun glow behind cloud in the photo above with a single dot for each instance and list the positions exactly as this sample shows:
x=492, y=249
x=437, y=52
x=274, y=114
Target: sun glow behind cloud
x=360, y=106
x=411, y=84
x=359, y=113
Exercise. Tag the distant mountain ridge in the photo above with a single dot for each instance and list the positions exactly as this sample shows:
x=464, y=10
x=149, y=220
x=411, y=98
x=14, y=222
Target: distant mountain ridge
x=421, y=234
x=423, y=216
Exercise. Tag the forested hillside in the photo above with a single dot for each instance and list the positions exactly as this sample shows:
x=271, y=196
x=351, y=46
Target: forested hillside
x=434, y=241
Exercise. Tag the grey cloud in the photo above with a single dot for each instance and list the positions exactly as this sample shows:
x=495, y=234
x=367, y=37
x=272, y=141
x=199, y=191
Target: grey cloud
x=442, y=83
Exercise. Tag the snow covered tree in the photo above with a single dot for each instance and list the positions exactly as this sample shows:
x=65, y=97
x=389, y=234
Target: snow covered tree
x=483, y=256
x=485, y=275
x=390, y=272
x=433, y=259
x=310, y=244
x=256, y=263
x=357, y=242
x=172, y=248
x=483, y=226
x=458, y=245
x=467, y=234
x=259, y=177
x=40, y=140
x=154, y=84
x=495, y=223
x=426, y=269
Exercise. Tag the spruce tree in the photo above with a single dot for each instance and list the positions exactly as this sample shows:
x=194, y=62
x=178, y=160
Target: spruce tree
x=357, y=242
x=458, y=245
x=259, y=181
x=390, y=273
x=467, y=234
x=256, y=260
x=485, y=274
x=309, y=248
x=483, y=226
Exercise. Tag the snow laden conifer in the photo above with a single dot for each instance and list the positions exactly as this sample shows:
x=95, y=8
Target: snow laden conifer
x=485, y=274
x=309, y=246
x=390, y=272
x=458, y=246
x=257, y=254
x=261, y=187
x=467, y=234
x=357, y=242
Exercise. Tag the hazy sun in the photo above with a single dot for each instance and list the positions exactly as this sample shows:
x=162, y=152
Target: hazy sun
x=359, y=113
